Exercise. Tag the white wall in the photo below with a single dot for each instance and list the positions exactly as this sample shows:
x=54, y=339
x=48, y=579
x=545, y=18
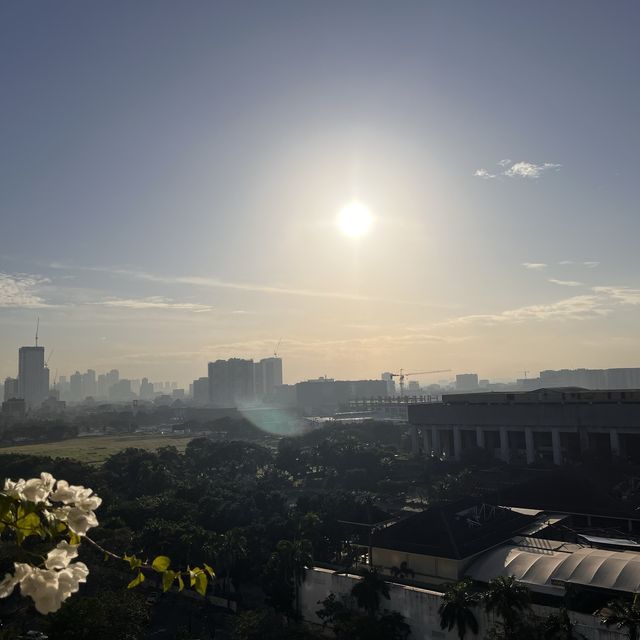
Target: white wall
x=420, y=608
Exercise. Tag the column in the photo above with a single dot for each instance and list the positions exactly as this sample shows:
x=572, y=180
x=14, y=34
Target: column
x=414, y=440
x=614, y=439
x=426, y=442
x=505, y=454
x=529, y=445
x=555, y=443
x=583, y=434
x=457, y=443
x=435, y=441
x=480, y=437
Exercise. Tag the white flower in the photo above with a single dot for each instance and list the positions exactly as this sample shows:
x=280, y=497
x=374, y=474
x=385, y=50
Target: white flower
x=70, y=578
x=80, y=521
x=7, y=585
x=61, y=556
x=38, y=489
x=14, y=489
x=47, y=588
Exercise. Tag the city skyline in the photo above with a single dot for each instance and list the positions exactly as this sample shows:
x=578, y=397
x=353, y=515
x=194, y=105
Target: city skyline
x=175, y=199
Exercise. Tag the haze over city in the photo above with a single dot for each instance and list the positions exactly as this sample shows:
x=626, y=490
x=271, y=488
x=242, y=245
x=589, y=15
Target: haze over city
x=174, y=194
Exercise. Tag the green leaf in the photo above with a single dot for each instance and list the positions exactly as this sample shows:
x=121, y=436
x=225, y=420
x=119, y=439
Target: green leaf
x=167, y=579
x=209, y=570
x=201, y=583
x=139, y=579
x=180, y=583
x=134, y=562
x=161, y=563
x=192, y=577
x=75, y=539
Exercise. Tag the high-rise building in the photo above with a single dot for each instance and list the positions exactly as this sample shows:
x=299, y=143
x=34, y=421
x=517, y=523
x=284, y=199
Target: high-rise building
x=75, y=387
x=200, y=390
x=33, y=376
x=89, y=385
x=387, y=376
x=267, y=376
x=467, y=382
x=11, y=388
x=231, y=382
x=146, y=390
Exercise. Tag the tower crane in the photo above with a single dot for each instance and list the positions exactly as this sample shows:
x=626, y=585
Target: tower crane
x=402, y=375
x=275, y=351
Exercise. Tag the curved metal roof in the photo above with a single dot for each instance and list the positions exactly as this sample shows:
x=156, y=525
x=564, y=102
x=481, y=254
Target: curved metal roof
x=548, y=569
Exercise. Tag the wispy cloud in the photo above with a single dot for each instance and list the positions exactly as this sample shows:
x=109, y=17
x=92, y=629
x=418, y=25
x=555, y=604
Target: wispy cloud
x=521, y=169
x=574, y=308
x=20, y=291
x=591, y=264
x=154, y=302
x=623, y=295
x=530, y=169
x=484, y=174
x=217, y=283
x=566, y=283
x=534, y=265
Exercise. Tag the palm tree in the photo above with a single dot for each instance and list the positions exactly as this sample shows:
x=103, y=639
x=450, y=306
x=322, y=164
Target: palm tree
x=293, y=558
x=456, y=609
x=508, y=599
x=367, y=591
x=624, y=614
x=558, y=626
x=231, y=549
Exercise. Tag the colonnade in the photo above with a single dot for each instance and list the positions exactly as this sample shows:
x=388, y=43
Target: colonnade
x=432, y=440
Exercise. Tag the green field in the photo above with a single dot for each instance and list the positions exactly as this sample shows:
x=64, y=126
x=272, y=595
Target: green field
x=95, y=449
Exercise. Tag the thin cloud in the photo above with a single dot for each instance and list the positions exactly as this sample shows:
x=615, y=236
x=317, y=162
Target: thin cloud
x=20, y=291
x=574, y=308
x=484, y=174
x=591, y=264
x=566, y=283
x=530, y=170
x=623, y=295
x=216, y=283
x=153, y=302
x=535, y=265
x=522, y=169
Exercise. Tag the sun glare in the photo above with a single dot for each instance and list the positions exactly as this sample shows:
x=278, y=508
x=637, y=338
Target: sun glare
x=355, y=220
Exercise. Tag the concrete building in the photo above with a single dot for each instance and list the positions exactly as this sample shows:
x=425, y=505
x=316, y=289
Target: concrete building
x=11, y=388
x=33, y=376
x=75, y=387
x=231, y=382
x=271, y=376
x=467, y=382
x=554, y=424
x=421, y=554
x=200, y=391
x=326, y=395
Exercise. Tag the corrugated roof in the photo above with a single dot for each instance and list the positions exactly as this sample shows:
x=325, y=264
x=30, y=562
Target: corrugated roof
x=548, y=568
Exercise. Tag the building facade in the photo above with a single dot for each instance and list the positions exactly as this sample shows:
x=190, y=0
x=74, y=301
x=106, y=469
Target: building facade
x=554, y=424
x=33, y=376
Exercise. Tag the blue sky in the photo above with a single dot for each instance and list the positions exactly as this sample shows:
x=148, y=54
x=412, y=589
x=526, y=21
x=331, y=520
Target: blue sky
x=170, y=176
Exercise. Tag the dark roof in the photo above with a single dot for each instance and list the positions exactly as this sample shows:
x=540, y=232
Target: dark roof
x=452, y=530
x=569, y=491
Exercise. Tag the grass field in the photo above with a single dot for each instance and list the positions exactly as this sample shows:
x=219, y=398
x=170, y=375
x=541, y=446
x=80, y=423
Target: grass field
x=95, y=449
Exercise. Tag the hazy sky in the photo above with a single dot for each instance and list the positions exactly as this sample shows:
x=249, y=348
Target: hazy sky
x=171, y=173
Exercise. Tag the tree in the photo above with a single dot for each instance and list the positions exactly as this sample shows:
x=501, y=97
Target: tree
x=348, y=624
x=230, y=550
x=508, y=599
x=368, y=590
x=624, y=614
x=456, y=609
x=558, y=626
x=286, y=570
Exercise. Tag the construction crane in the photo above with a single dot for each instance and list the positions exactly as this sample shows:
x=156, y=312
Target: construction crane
x=275, y=351
x=402, y=375
x=46, y=363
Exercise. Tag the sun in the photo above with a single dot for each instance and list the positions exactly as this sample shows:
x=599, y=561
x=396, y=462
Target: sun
x=355, y=220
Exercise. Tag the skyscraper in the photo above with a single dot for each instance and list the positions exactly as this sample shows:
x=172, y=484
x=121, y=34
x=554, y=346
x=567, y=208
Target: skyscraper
x=33, y=376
